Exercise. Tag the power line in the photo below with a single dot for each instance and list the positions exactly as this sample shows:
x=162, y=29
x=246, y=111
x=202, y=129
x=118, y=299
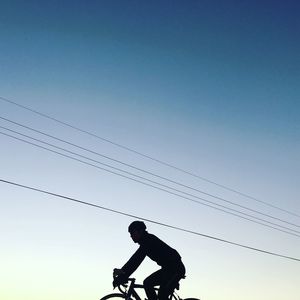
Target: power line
x=146, y=219
x=223, y=208
x=147, y=156
x=151, y=185
x=142, y=170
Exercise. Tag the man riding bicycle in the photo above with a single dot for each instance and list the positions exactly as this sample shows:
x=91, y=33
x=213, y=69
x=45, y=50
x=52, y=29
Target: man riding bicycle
x=172, y=268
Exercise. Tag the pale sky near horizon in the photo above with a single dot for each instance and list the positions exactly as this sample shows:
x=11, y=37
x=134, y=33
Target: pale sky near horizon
x=209, y=87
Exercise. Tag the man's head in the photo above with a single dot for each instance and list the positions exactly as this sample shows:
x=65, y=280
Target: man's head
x=137, y=230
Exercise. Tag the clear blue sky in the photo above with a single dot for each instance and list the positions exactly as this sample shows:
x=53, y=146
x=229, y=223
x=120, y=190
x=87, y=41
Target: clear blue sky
x=211, y=87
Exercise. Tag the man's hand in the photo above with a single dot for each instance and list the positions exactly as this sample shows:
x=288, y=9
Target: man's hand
x=118, y=272
x=119, y=277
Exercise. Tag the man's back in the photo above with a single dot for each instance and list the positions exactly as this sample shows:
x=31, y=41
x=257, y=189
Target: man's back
x=158, y=250
x=155, y=249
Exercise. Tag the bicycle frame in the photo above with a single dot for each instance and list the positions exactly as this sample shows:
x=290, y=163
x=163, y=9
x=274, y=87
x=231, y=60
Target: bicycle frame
x=131, y=292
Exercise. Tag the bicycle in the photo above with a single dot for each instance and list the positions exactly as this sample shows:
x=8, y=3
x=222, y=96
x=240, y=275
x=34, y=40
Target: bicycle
x=130, y=293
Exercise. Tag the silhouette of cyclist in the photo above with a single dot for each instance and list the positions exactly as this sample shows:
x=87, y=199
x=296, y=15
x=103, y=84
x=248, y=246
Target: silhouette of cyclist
x=172, y=268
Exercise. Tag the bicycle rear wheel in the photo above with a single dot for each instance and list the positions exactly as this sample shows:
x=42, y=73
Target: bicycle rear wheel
x=113, y=296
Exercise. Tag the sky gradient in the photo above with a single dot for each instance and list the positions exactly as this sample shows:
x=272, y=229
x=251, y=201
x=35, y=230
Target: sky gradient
x=209, y=87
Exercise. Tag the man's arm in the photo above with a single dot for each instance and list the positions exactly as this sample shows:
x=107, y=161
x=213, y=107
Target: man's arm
x=133, y=263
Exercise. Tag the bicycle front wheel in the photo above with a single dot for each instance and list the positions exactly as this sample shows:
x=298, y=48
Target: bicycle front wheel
x=114, y=296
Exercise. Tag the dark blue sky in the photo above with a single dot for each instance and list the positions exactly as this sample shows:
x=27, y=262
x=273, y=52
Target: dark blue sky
x=236, y=61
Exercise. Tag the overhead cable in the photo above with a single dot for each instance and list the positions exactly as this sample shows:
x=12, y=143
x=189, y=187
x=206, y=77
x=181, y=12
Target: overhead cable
x=147, y=156
x=170, y=191
x=147, y=220
x=142, y=170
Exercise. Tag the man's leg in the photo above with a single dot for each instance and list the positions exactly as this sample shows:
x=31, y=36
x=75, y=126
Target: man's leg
x=169, y=280
x=167, y=286
x=150, y=282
